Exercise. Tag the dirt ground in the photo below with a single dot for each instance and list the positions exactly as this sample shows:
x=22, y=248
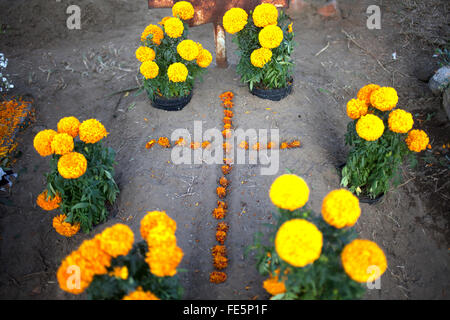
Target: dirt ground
x=76, y=72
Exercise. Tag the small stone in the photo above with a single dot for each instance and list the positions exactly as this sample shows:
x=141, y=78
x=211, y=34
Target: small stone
x=328, y=10
x=440, y=80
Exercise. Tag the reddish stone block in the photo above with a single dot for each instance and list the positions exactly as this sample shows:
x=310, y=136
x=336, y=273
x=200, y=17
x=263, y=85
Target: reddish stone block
x=328, y=10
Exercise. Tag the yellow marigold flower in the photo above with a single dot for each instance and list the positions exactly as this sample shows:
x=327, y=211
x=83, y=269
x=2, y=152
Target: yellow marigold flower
x=64, y=228
x=163, y=262
x=161, y=236
x=298, y=242
x=359, y=256
x=183, y=10
x=154, y=219
x=139, y=294
x=289, y=191
x=234, y=20
x=340, y=208
x=155, y=31
x=265, y=14
x=62, y=143
x=149, y=69
x=370, y=127
x=72, y=165
x=365, y=92
x=260, y=57
x=174, y=27
x=204, y=58
x=188, y=50
x=92, y=131
x=43, y=142
x=120, y=272
x=356, y=108
x=290, y=28
x=384, y=99
x=98, y=260
x=273, y=285
x=48, y=204
x=417, y=140
x=67, y=274
x=400, y=121
x=145, y=54
x=116, y=240
x=69, y=125
x=270, y=37
x=177, y=72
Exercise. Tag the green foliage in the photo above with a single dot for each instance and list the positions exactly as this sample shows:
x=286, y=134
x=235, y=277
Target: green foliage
x=84, y=199
x=277, y=73
x=105, y=287
x=166, y=54
x=372, y=167
x=323, y=279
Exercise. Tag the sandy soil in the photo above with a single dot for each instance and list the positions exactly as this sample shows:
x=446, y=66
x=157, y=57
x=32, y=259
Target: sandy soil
x=76, y=72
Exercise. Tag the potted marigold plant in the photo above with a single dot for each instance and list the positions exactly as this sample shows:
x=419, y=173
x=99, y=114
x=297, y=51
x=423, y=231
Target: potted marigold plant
x=171, y=62
x=111, y=266
x=265, y=41
x=380, y=138
x=80, y=182
x=313, y=257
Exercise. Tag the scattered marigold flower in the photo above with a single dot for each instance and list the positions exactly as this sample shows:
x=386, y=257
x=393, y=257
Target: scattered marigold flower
x=227, y=133
x=227, y=126
x=284, y=145
x=227, y=147
x=256, y=146
x=228, y=161
x=219, y=213
x=227, y=120
x=217, y=277
x=195, y=145
x=221, y=192
x=243, y=145
x=150, y=144
x=220, y=262
x=205, y=144
x=226, y=169
x=294, y=144
x=219, y=250
x=222, y=204
x=222, y=226
x=271, y=145
x=47, y=203
x=228, y=113
x=223, y=182
x=228, y=95
x=180, y=142
x=221, y=236
x=164, y=142
x=228, y=104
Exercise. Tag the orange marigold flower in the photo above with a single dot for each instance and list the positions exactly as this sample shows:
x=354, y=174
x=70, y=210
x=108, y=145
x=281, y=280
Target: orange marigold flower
x=161, y=236
x=284, y=145
x=139, y=294
x=120, y=273
x=62, y=143
x=116, y=240
x=219, y=250
x=227, y=147
x=156, y=218
x=43, y=142
x=417, y=140
x=228, y=104
x=222, y=226
x=273, y=285
x=219, y=213
x=217, y=277
x=72, y=165
x=227, y=161
x=92, y=131
x=180, y=142
x=271, y=145
x=226, y=169
x=294, y=144
x=69, y=125
x=223, y=182
x=205, y=144
x=47, y=203
x=365, y=92
x=155, y=31
x=227, y=120
x=66, y=271
x=222, y=204
x=228, y=95
x=150, y=144
x=384, y=99
x=400, y=121
x=195, y=145
x=227, y=133
x=221, y=236
x=164, y=142
x=64, y=228
x=256, y=146
x=357, y=108
x=340, y=208
x=163, y=262
x=228, y=113
x=220, y=262
x=243, y=145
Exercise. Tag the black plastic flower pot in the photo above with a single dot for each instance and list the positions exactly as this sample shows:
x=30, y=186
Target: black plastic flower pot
x=273, y=94
x=171, y=104
x=363, y=198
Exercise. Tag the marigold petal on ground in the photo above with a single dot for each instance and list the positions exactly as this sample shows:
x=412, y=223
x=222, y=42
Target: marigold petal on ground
x=298, y=242
x=340, y=208
x=289, y=192
x=359, y=258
